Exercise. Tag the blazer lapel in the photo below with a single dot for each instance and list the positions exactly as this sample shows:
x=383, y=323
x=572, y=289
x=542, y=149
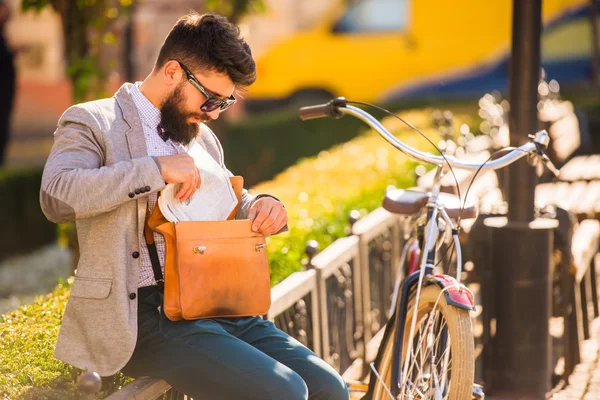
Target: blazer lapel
x=136, y=142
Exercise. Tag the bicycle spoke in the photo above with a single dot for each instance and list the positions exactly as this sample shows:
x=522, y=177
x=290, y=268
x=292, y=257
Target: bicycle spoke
x=414, y=357
x=429, y=359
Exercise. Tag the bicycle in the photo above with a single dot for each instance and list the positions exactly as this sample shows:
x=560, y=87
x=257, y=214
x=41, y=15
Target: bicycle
x=427, y=350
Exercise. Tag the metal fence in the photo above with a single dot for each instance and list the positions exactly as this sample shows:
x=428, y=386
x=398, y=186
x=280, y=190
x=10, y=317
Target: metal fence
x=340, y=304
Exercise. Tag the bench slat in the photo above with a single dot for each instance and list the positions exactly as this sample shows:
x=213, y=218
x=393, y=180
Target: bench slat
x=146, y=388
x=585, y=245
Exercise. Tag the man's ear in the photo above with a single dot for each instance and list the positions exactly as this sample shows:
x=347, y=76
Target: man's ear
x=171, y=73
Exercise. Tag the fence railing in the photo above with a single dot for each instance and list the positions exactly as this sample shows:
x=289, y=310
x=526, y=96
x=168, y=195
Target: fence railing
x=335, y=306
x=294, y=308
x=381, y=238
x=340, y=303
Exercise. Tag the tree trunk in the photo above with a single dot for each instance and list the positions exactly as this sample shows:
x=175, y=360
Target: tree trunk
x=595, y=48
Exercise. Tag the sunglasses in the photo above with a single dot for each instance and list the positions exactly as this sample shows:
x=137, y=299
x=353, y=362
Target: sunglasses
x=212, y=102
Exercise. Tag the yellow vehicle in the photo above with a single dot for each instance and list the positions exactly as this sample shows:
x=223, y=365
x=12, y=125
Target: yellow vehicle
x=365, y=49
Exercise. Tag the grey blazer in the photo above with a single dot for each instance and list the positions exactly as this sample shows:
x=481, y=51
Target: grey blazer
x=98, y=161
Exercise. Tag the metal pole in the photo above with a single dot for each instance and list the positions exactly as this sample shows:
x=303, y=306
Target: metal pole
x=523, y=98
x=520, y=248
x=521, y=366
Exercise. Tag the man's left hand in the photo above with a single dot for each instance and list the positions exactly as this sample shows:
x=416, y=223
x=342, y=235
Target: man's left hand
x=269, y=215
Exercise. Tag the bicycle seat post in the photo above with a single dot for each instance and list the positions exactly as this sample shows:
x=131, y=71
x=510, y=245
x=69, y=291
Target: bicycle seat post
x=437, y=183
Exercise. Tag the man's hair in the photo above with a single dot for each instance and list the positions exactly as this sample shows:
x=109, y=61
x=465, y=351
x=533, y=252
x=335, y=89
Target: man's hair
x=209, y=42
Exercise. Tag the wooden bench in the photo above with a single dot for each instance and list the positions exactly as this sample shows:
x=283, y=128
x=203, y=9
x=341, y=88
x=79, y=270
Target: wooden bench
x=561, y=122
x=581, y=168
x=585, y=247
x=145, y=388
x=580, y=290
x=580, y=197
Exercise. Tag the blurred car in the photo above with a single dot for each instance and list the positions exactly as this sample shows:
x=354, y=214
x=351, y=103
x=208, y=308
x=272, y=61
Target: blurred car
x=566, y=53
x=372, y=50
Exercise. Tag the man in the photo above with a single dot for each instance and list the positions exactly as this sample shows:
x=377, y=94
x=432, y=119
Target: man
x=109, y=159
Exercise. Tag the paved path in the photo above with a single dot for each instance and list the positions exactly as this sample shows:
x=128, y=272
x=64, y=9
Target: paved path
x=584, y=383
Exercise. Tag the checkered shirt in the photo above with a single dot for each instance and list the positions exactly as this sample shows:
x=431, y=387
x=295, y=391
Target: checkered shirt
x=150, y=116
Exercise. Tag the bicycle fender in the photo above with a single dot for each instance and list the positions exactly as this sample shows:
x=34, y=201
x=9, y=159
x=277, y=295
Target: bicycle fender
x=456, y=294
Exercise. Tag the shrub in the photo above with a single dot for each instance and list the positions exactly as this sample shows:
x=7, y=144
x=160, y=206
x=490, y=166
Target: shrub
x=23, y=226
x=261, y=147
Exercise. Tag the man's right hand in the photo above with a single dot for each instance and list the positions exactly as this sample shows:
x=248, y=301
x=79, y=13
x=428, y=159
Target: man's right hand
x=180, y=168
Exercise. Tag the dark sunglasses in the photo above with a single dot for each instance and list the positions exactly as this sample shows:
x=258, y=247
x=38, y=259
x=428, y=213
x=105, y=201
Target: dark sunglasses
x=212, y=102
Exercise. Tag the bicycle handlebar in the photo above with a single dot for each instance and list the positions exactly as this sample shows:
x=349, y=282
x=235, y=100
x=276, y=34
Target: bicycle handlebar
x=329, y=109
x=339, y=107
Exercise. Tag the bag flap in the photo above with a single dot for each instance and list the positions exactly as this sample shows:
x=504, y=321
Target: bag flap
x=193, y=230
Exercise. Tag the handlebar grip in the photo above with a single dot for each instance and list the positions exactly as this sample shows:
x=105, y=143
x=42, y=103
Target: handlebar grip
x=312, y=112
x=330, y=109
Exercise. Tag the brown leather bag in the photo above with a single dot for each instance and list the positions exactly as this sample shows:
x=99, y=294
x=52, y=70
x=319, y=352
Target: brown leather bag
x=212, y=268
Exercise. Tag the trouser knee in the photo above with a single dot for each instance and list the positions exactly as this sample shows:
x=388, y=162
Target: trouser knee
x=328, y=386
x=291, y=387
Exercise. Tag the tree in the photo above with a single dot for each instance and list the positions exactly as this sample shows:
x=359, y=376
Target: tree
x=234, y=10
x=89, y=26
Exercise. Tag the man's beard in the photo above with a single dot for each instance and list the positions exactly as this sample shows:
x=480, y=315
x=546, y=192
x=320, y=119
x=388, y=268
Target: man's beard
x=175, y=122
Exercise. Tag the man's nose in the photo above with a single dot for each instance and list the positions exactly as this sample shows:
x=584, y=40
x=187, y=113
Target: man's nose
x=214, y=114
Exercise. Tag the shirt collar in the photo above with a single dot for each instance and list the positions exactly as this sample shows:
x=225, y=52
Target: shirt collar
x=149, y=114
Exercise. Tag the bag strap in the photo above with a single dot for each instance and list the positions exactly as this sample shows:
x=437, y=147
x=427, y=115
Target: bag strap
x=158, y=275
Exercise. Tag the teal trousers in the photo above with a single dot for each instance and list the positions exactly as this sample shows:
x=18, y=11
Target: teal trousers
x=228, y=358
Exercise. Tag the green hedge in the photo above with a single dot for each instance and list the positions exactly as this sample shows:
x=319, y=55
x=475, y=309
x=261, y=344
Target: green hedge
x=265, y=145
x=28, y=369
x=318, y=194
x=23, y=226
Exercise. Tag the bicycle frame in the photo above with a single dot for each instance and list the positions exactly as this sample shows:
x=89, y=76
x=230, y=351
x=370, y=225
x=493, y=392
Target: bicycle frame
x=456, y=294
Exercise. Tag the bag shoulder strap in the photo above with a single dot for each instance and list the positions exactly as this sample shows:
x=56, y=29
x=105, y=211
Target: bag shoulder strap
x=151, y=245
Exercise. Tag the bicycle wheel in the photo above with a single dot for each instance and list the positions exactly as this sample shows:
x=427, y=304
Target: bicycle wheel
x=442, y=362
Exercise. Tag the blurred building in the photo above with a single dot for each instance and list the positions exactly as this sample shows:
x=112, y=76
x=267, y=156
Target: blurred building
x=42, y=89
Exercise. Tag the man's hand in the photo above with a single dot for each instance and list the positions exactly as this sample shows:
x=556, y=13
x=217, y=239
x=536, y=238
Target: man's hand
x=180, y=168
x=268, y=214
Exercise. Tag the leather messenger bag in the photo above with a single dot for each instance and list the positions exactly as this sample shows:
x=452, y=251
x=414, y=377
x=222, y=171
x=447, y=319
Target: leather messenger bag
x=212, y=268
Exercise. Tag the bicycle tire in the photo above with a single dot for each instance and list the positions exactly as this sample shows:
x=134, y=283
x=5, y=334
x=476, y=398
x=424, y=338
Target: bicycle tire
x=461, y=346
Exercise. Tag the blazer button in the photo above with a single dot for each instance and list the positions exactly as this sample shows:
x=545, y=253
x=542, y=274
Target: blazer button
x=132, y=296
x=132, y=195
x=147, y=188
x=135, y=254
x=138, y=191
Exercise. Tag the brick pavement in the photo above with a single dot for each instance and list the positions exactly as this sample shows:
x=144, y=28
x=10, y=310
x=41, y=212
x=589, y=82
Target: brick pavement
x=584, y=383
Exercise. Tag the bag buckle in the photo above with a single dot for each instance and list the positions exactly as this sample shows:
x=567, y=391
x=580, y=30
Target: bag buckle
x=260, y=246
x=199, y=249
x=160, y=284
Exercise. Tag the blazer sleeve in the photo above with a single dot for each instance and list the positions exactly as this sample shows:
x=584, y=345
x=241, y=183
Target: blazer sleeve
x=76, y=183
